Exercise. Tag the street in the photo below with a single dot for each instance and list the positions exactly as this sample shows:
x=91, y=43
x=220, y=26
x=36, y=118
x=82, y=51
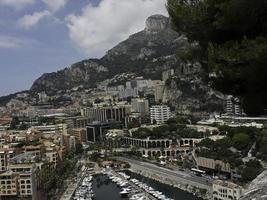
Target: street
x=175, y=175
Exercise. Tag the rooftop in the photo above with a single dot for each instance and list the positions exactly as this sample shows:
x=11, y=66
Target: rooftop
x=27, y=157
x=226, y=184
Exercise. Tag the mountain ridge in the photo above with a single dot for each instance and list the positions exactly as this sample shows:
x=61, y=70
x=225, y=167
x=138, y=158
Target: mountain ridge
x=136, y=54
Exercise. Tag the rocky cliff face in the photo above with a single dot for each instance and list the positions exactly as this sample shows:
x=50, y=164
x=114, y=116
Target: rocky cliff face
x=147, y=53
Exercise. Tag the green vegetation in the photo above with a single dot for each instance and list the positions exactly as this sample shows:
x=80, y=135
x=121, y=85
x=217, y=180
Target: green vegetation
x=250, y=170
x=28, y=143
x=172, y=130
x=14, y=123
x=5, y=99
x=46, y=120
x=236, y=145
x=232, y=38
x=219, y=150
x=53, y=178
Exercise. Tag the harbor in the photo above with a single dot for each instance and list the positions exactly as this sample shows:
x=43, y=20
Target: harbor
x=109, y=184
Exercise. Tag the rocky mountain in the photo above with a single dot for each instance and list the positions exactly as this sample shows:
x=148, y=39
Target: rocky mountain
x=147, y=53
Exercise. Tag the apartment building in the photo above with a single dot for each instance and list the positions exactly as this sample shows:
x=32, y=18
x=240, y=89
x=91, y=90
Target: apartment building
x=140, y=106
x=224, y=190
x=20, y=179
x=160, y=113
x=51, y=155
x=9, y=186
x=5, y=155
x=233, y=106
x=80, y=135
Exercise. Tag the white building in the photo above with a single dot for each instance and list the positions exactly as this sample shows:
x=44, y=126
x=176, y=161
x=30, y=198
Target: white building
x=117, y=113
x=140, y=106
x=224, y=190
x=160, y=113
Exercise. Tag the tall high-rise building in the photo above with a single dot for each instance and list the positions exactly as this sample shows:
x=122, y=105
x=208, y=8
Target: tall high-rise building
x=160, y=113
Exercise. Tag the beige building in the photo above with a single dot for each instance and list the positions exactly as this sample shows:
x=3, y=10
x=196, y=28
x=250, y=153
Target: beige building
x=208, y=163
x=8, y=184
x=80, y=135
x=224, y=190
x=20, y=181
x=5, y=155
x=51, y=156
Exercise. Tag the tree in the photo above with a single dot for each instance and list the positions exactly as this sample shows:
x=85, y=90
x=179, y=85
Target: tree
x=207, y=142
x=14, y=123
x=232, y=38
x=79, y=148
x=241, y=141
x=251, y=170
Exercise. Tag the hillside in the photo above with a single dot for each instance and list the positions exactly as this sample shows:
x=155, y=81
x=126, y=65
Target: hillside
x=146, y=53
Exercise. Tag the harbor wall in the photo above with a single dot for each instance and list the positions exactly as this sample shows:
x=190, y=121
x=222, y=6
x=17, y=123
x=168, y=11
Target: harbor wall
x=199, y=192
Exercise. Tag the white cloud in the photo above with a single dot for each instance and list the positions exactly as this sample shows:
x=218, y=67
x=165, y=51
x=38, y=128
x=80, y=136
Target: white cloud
x=11, y=42
x=99, y=28
x=16, y=3
x=55, y=5
x=30, y=20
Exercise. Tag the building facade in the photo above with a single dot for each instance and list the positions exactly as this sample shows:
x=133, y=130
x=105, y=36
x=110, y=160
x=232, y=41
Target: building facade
x=160, y=114
x=140, y=106
x=224, y=190
x=116, y=113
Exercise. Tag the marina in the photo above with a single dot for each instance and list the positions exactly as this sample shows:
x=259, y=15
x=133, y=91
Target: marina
x=112, y=185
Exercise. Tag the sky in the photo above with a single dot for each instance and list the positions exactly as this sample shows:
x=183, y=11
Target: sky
x=42, y=36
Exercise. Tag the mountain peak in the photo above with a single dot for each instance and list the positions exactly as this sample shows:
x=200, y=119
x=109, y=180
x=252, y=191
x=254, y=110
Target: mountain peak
x=156, y=23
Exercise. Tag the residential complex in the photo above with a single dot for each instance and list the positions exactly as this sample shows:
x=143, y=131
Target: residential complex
x=159, y=114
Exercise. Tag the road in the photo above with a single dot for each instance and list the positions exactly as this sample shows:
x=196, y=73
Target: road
x=174, y=175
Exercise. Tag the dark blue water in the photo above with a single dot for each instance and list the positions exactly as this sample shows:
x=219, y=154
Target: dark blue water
x=105, y=189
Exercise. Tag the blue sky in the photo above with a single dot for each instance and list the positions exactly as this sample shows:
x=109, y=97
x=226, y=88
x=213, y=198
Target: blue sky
x=41, y=36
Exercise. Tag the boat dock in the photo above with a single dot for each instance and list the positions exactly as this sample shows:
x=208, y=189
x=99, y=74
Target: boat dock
x=149, y=196
x=134, y=189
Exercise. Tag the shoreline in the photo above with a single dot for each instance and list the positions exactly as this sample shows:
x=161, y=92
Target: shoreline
x=198, y=192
